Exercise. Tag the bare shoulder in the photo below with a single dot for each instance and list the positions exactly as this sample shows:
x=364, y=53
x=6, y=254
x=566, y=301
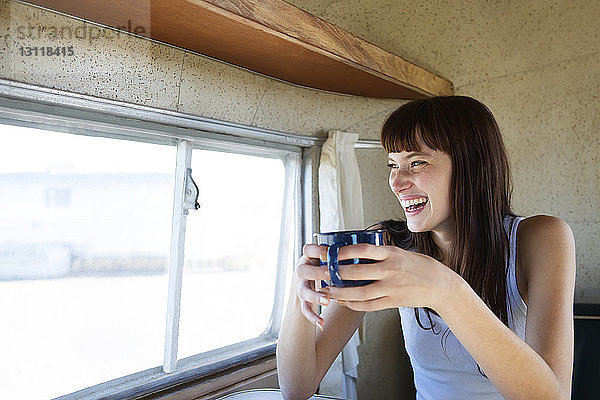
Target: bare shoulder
x=542, y=240
x=542, y=228
x=547, y=254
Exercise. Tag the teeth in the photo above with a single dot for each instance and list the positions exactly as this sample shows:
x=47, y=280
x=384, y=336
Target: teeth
x=408, y=203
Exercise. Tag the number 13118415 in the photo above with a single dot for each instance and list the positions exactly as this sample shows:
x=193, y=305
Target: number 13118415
x=47, y=51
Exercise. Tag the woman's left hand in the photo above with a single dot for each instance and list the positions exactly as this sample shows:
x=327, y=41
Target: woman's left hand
x=401, y=279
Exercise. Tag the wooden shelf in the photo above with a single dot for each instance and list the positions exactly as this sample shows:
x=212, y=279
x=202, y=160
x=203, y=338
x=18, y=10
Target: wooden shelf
x=271, y=37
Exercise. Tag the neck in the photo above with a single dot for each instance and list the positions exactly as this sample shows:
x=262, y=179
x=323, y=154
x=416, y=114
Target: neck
x=442, y=241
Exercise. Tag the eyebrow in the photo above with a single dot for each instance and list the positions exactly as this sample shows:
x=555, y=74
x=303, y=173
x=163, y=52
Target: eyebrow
x=413, y=154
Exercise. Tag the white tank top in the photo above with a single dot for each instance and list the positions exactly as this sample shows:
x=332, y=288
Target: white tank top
x=453, y=374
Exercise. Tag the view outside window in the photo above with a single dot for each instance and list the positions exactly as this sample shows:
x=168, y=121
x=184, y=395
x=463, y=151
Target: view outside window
x=85, y=226
x=230, y=250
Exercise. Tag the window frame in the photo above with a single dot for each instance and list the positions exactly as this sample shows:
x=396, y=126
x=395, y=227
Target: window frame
x=39, y=107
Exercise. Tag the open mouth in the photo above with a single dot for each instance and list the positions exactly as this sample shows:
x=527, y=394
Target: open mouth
x=414, y=205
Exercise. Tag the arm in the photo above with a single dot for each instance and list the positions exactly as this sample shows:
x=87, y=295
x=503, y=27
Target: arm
x=538, y=368
x=304, y=352
x=541, y=366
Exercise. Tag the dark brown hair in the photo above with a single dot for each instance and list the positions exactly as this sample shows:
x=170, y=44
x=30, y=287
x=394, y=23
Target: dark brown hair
x=480, y=190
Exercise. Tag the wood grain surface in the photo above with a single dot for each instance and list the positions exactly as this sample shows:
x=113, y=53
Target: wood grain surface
x=270, y=37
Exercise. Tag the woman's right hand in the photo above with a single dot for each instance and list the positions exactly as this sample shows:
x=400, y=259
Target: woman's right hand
x=307, y=271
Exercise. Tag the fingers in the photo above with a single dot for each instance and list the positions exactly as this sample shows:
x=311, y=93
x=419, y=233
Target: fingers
x=359, y=272
x=309, y=298
x=310, y=269
x=368, y=292
x=360, y=250
x=307, y=271
x=365, y=250
x=315, y=251
x=310, y=315
x=370, y=305
x=307, y=293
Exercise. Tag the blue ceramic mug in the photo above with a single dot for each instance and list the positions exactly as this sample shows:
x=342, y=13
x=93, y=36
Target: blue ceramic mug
x=335, y=240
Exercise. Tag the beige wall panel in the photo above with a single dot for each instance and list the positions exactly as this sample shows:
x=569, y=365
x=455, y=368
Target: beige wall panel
x=217, y=90
x=105, y=64
x=5, y=41
x=290, y=108
x=370, y=127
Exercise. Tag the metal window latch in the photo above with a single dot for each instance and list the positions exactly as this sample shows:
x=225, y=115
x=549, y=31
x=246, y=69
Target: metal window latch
x=190, y=201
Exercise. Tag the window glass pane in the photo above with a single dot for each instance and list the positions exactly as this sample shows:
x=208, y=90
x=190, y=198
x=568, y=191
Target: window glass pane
x=231, y=250
x=85, y=226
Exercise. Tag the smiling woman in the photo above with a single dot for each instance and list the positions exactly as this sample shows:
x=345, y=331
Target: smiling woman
x=476, y=191
x=453, y=261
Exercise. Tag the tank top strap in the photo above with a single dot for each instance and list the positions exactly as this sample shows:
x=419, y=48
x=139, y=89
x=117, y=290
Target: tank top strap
x=517, y=307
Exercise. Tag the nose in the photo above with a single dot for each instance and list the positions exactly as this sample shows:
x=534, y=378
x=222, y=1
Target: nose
x=399, y=180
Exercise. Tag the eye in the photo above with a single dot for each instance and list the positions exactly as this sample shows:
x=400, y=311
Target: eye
x=391, y=165
x=416, y=163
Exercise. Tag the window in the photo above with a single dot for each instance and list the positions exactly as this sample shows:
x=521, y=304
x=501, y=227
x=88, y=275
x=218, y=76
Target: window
x=102, y=300
x=85, y=278
x=231, y=250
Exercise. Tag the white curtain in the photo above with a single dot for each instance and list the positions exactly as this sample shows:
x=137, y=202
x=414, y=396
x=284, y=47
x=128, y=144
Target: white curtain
x=341, y=208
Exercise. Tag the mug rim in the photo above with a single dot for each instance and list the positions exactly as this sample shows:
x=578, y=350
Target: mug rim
x=357, y=231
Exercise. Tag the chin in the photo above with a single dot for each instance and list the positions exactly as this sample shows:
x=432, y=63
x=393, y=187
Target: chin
x=414, y=228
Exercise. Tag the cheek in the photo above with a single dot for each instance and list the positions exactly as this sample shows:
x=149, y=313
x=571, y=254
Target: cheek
x=428, y=183
x=441, y=191
x=436, y=186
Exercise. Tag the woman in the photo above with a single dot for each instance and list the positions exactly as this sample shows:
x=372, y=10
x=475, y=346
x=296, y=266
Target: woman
x=464, y=271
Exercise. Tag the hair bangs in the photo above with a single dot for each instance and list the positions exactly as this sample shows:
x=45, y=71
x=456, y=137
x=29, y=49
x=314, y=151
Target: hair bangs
x=412, y=124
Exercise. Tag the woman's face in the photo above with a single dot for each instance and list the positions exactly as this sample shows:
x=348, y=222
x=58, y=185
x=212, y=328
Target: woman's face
x=422, y=177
